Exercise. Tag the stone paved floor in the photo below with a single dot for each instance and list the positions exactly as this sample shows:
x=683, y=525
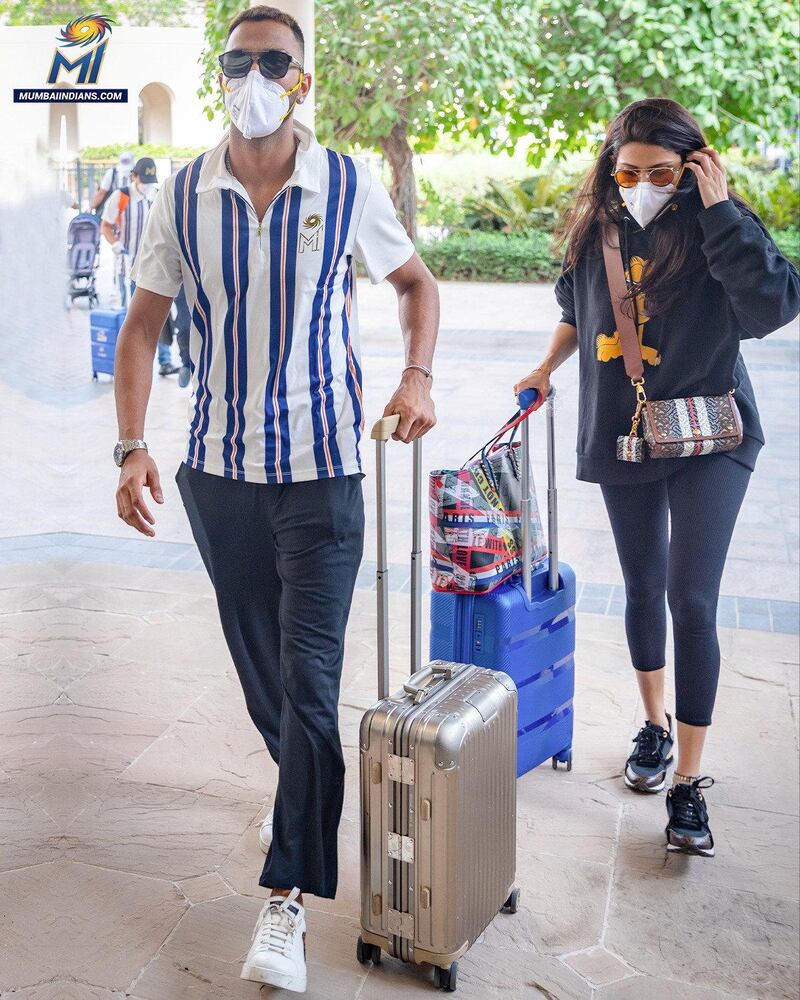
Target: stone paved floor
x=132, y=781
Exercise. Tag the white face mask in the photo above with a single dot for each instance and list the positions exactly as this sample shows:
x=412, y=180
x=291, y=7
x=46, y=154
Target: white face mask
x=147, y=191
x=644, y=200
x=257, y=106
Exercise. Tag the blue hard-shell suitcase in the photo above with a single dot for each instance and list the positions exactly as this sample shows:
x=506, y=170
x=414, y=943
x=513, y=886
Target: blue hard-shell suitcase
x=105, y=327
x=525, y=627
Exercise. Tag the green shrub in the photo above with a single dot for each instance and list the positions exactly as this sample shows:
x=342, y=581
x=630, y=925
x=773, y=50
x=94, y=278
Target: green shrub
x=479, y=256
x=520, y=206
x=773, y=194
x=148, y=149
x=437, y=209
x=788, y=241
x=486, y=256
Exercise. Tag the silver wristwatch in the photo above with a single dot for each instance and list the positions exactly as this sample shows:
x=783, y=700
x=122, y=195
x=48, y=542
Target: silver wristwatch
x=123, y=448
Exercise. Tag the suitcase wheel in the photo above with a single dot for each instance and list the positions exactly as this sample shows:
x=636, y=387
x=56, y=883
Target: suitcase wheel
x=367, y=952
x=445, y=979
x=565, y=758
x=511, y=905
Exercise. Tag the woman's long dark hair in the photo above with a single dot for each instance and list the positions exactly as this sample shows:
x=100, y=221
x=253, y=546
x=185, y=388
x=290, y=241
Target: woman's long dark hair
x=674, y=244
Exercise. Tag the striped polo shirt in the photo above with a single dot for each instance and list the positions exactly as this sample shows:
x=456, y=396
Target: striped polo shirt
x=131, y=220
x=274, y=348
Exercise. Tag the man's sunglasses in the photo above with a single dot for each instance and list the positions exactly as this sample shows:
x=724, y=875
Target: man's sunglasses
x=658, y=176
x=272, y=63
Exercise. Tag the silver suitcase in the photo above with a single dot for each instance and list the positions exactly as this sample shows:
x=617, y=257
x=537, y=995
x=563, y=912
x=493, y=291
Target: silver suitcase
x=438, y=788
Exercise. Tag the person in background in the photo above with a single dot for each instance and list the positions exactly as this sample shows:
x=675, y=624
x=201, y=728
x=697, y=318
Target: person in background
x=114, y=178
x=124, y=218
x=183, y=326
x=703, y=274
x=264, y=232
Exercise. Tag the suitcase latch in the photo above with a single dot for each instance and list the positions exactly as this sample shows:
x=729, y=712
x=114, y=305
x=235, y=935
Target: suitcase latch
x=401, y=769
x=401, y=848
x=400, y=924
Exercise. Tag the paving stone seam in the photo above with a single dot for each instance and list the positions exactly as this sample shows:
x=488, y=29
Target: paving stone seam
x=182, y=788
x=160, y=948
x=612, y=872
x=112, y=868
x=224, y=861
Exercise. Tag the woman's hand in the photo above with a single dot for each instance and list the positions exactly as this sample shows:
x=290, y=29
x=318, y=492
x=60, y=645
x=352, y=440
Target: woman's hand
x=712, y=182
x=539, y=379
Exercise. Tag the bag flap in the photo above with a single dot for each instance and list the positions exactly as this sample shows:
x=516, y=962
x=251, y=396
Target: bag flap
x=727, y=402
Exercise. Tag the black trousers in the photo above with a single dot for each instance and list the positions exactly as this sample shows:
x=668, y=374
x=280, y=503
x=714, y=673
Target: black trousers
x=672, y=538
x=283, y=560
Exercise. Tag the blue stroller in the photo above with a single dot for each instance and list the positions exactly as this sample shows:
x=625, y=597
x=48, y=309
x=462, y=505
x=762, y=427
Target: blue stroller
x=83, y=257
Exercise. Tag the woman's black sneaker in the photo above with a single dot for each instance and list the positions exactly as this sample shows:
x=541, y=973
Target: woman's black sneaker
x=687, y=830
x=646, y=768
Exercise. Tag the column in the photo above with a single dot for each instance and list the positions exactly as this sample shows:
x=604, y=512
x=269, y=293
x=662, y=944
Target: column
x=303, y=12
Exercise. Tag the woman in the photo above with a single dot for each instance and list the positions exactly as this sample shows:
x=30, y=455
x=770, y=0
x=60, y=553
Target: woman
x=702, y=274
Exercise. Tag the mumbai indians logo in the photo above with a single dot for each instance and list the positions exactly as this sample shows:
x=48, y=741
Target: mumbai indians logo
x=312, y=239
x=82, y=32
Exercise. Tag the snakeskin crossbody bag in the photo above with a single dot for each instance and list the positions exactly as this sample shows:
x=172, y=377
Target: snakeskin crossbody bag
x=673, y=428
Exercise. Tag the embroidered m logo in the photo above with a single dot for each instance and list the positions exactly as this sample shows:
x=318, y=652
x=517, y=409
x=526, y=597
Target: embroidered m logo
x=313, y=238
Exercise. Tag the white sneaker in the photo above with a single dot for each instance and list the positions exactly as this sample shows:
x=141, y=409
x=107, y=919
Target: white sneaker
x=265, y=832
x=277, y=954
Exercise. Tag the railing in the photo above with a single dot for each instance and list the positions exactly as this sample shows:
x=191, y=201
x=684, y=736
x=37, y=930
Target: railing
x=82, y=178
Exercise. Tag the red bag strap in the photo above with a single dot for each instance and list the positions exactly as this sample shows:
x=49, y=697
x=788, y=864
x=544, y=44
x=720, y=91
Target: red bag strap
x=516, y=420
x=618, y=289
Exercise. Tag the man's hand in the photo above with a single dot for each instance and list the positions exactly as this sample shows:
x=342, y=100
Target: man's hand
x=138, y=470
x=412, y=400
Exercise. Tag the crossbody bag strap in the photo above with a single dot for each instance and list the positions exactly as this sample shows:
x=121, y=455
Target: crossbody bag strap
x=618, y=288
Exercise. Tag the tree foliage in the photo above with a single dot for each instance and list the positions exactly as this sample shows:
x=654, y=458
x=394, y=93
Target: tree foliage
x=396, y=77
x=439, y=67
x=218, y=16
x=732, y=64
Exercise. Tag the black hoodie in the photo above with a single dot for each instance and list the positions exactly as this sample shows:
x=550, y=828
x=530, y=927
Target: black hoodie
x=742, y=288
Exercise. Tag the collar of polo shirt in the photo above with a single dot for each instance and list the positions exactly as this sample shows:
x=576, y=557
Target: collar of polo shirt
x=307, y=164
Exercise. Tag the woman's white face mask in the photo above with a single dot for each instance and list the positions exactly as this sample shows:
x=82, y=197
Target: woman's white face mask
x=257, y=106
x=644, y=200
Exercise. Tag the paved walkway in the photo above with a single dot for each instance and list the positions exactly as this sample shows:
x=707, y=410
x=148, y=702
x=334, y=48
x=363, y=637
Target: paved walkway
x=132, y=780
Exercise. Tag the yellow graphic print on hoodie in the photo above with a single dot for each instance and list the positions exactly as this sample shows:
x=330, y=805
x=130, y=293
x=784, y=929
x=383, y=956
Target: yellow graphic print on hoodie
x=609, y=348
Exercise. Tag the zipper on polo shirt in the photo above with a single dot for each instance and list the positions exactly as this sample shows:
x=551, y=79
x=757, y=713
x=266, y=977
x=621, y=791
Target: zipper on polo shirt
x=260, y=222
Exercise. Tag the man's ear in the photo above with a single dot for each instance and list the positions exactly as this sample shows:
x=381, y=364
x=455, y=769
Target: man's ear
x=304, y=89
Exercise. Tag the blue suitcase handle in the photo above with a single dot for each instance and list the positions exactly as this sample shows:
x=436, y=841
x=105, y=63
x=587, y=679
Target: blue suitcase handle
x=529, y=397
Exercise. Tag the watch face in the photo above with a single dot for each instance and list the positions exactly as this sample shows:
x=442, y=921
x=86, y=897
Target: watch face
x=118, y=452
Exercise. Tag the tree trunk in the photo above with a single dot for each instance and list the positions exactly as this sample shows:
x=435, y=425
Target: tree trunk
x=403, y=188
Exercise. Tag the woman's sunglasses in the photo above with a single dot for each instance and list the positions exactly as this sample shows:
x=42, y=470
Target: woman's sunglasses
x=272, y=63
x=658, y=176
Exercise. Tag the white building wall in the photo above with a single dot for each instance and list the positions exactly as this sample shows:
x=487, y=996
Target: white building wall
x=135, y=58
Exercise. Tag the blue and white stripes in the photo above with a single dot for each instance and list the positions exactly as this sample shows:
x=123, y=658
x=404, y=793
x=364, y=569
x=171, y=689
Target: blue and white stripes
x=274, y=349
x=236, y=277
x=283, y=242
x=186, y=223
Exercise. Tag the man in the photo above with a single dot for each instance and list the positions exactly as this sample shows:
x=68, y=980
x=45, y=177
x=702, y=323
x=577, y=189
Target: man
x=113, y=178
x=264, y=232
x=122, y=225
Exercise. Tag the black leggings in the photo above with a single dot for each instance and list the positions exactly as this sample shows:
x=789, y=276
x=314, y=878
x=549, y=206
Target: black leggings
x=701, y=502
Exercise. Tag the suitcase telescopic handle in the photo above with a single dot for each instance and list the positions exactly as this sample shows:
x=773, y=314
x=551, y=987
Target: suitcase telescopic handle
x=527, y=398
x=381, y=433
